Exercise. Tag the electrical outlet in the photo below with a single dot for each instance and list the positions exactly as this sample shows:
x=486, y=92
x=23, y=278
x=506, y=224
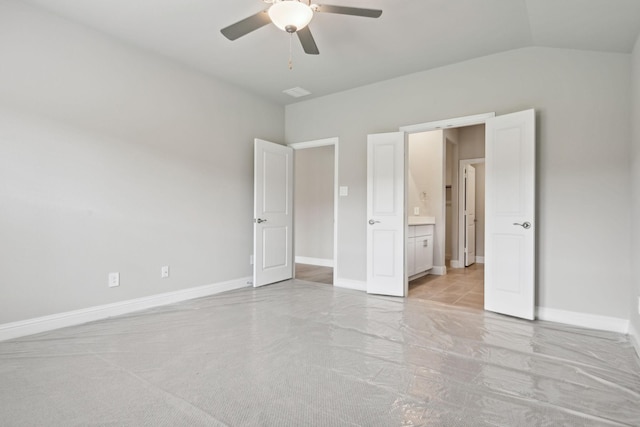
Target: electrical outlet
x=114, y=280
x=164, y=272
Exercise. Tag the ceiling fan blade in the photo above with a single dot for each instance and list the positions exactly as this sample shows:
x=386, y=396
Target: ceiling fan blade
x=307, y=41
x=247, y=25
x=343, y=10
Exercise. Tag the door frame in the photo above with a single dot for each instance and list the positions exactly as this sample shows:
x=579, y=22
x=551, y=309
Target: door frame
x=335, y=142
x=461, y=225
x=457, y=122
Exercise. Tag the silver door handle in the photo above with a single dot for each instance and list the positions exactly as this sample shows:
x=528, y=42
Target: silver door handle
x=371, y=222
x=260, y=220
x=526, y=225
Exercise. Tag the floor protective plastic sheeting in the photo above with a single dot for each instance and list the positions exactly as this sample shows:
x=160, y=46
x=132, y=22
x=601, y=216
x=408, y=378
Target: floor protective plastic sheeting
x=298, y=354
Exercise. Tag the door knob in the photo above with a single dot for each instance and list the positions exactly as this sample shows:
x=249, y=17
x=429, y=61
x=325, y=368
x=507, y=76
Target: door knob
x=371, y=222
x=260, y=220
x=526, y=225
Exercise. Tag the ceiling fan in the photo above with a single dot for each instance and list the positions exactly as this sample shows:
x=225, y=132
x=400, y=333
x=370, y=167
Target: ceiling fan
x=293, y=16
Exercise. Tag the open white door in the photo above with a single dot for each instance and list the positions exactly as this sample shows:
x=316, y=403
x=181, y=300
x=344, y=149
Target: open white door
x=273, y=216
x=510, y=215
x=469, y=215
x=386, y=214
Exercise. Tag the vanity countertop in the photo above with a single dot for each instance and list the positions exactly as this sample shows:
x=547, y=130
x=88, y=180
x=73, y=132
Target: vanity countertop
x=421, y=220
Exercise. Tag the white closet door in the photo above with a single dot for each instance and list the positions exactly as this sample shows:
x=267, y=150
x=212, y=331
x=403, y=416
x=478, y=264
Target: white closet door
x=469, y=215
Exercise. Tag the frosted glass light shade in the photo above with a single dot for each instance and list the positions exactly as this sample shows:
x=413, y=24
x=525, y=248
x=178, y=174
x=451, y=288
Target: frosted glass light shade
x=290, y=13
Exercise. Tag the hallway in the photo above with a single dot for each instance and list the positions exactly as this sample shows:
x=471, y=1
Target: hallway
x=462, y=287
x=314, y=273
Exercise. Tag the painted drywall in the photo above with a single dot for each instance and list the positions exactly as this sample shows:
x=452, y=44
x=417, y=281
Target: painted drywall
x=116, y=160
x=471, y=146
x=582, y=101
x=313, y=200
x=448, y=198
x=480, y=182
x=452, y=138
x=426, y=184
x=635, y=179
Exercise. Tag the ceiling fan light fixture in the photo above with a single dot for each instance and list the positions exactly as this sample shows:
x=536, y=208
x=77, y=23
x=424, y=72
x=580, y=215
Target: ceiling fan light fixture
x=290, y=15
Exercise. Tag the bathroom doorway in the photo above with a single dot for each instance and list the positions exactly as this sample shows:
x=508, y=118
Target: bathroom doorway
x=460, y=278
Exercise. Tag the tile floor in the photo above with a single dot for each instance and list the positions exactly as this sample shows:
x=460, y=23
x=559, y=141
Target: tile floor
x=462, y=287
x=314, y=273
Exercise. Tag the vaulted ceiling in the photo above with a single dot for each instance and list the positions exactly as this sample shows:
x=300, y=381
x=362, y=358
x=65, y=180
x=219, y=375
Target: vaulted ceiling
x=410, y=36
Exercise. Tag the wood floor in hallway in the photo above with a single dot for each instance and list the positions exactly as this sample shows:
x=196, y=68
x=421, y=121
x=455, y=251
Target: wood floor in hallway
x=314, y=273
x=463, y=287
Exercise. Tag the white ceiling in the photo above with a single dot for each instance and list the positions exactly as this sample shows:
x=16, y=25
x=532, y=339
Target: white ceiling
x=410, y=36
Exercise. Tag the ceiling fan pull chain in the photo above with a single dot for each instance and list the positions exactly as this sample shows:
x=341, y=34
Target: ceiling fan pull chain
x=291, y=51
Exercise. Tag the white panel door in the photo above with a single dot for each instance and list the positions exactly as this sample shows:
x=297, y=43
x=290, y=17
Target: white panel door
x=510, y=226
x=386, y=214
x=469, y=215
x=273, y=216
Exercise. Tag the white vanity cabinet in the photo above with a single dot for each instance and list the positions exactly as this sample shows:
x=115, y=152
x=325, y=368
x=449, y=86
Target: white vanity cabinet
x=419, y=249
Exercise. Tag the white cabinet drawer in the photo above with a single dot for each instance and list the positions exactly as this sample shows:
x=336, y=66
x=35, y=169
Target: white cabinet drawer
x=422, y=230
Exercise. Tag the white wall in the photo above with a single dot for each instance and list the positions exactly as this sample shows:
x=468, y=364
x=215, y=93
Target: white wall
x=112, y=159
x=313, y=199
x=582, y=101
x=635, y=179
x=426, y=184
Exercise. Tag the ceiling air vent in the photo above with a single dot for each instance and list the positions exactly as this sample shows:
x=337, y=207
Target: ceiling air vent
x=297, y=92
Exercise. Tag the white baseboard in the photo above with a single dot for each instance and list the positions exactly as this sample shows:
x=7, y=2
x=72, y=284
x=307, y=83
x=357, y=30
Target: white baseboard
x=634, y=336
x=350, y=284
x=459, y=264
x=322, y=262
x=438, y=270
x=90, y=314
x=456, y=264
x=592, y=321
x=419, y=275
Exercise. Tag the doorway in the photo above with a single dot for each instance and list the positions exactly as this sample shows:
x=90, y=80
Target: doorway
x=315, y=206
x=458, y=279
x=510, y=211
